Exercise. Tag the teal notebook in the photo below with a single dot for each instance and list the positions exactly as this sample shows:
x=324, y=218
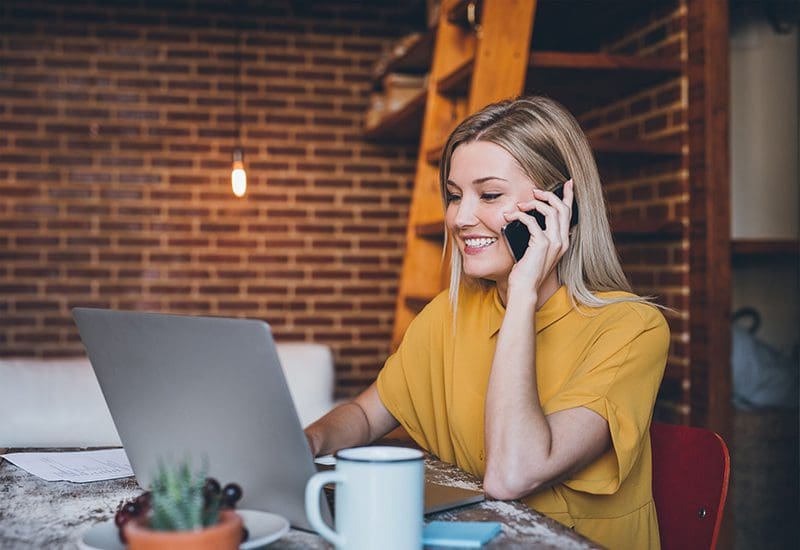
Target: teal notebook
x=462, y=534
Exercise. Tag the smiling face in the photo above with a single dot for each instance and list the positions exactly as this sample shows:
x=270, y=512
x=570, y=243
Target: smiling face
x=484, y=182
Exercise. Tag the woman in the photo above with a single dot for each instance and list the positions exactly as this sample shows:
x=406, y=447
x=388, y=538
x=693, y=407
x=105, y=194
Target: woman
x=539, y=376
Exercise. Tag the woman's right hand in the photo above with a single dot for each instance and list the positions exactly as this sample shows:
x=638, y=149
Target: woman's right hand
x=358, y=422
x=545, y=247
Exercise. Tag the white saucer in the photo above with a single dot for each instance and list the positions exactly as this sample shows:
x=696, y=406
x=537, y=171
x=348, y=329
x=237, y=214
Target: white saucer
x=263, y=527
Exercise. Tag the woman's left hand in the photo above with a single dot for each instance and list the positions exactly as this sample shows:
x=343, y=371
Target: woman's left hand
x=545, y=247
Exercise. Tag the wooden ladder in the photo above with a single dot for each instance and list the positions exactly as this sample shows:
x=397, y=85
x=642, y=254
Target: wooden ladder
x=477, y=59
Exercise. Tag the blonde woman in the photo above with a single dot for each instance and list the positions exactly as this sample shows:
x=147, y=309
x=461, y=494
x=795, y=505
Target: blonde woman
x=538, y=375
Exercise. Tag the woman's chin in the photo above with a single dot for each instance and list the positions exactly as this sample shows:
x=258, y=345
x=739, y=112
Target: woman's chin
x=482, y=275
x=493, y=272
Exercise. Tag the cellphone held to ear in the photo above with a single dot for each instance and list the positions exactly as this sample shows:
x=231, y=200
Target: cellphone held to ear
x=517, y=234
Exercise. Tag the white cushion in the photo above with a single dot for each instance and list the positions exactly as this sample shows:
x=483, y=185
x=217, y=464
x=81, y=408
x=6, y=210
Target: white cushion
x=309, y=373
x=52, y=403
x=58, y=402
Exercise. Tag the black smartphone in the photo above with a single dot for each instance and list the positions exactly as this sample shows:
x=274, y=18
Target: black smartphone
x=517, y=235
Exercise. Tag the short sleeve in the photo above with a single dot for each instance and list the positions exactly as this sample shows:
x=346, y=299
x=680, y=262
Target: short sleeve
x=619, y=380
x=407, y=382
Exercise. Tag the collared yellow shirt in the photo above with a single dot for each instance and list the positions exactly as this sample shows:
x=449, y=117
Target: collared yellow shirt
x=609, y=359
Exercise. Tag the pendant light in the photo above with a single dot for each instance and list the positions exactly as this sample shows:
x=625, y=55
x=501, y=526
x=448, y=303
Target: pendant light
x=238, y=174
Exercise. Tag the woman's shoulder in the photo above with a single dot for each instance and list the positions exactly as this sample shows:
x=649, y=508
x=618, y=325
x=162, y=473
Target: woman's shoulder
x=627, y=307
x=433, y=312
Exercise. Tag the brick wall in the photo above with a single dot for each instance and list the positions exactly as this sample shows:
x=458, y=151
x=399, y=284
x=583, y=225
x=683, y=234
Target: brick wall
x=654, y=188
x=116, y=130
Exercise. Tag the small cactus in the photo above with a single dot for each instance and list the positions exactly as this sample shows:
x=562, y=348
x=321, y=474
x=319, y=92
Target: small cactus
x=183, y=500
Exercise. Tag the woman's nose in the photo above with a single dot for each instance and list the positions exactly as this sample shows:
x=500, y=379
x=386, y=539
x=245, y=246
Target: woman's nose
x=465, y=217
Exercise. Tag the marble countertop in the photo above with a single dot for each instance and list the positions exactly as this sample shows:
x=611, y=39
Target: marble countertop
x=48, y=514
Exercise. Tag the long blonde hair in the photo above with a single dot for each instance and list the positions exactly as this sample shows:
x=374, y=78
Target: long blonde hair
x=549, y=146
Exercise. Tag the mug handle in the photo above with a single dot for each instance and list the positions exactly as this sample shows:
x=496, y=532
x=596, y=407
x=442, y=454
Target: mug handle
x=313, y=487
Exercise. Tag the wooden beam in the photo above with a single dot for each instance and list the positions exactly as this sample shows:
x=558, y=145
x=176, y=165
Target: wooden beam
x=747, y=248
x=501, y=58
x=709, y=215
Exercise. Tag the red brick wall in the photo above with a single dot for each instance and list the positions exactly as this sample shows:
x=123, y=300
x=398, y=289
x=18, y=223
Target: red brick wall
x=654, y=188
x=116, y=131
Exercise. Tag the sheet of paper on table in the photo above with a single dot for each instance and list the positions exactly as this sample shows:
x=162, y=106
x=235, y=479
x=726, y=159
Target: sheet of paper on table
x=76, y=466
x=325, y=460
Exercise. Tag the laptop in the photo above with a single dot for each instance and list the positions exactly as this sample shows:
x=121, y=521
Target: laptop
x=212, y=389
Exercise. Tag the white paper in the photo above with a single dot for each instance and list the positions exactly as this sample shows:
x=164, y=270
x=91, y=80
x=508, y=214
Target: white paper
x=76, y=466
x=326, y=460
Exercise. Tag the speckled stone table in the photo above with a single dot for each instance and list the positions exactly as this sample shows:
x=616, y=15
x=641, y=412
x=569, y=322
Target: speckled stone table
x=45, y=514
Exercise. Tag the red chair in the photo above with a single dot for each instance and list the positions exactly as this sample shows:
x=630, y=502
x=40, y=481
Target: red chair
x=690, y=484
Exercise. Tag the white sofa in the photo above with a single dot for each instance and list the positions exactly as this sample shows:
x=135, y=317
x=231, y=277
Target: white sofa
x=58, y=402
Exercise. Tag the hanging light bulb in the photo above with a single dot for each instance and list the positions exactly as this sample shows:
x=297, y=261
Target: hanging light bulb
x=238, y=175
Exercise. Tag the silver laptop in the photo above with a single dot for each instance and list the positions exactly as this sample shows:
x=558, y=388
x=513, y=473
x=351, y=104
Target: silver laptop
x=212, y=389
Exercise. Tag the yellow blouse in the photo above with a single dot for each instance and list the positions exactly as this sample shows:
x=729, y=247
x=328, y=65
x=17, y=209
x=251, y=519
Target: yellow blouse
x=610, y=360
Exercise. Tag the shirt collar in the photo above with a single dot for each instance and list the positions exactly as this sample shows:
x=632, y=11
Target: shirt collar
x=556, y=307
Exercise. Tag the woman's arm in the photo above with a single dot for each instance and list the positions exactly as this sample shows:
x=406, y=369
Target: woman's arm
x=526, y=450
x=358, y=422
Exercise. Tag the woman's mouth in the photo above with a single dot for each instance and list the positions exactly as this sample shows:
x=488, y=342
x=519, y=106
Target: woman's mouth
x=473, y=245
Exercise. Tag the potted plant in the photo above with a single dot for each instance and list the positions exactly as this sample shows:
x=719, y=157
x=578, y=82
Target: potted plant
x=183, y=509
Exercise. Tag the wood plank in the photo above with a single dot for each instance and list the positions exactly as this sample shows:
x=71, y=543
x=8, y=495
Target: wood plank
x=402, y=125
x=743, y=248
x=457, y=80
x=605, y=148
x=434, y=154
x=649, y=147
x=501, y=55
x=627, y=229
x=582, y=81
x=602, y=60
x=598, y=23
x=646, y=228
x=622, y=66
x=433, y=230
x=414, y=58
x=592, y=24
x=417, y=302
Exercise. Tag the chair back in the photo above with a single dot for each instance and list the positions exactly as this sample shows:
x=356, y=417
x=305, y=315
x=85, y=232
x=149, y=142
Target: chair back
x=690, y=484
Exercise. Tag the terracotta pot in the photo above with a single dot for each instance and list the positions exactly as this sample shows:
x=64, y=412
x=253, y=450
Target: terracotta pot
x=225, y=535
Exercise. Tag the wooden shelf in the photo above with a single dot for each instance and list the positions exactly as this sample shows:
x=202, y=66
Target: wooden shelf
x=579, y=26
x=601, y=61
x=611, y=147
x=579, y=80
x=457, y=82
x=584, y=80
x=414, y=58
x=622, y=229
x=605, y=148
x=433, y=230
x=589, y=26
x=646, y=229
x=755, y=248
x=402, y=125
x=434, y=154
x=416, y=303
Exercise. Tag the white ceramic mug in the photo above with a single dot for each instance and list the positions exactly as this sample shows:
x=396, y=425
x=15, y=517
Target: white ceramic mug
x=378, y=499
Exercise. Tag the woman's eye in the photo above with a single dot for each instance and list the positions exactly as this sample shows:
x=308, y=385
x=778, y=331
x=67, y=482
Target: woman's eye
x=451, y=198
x=491, y=196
